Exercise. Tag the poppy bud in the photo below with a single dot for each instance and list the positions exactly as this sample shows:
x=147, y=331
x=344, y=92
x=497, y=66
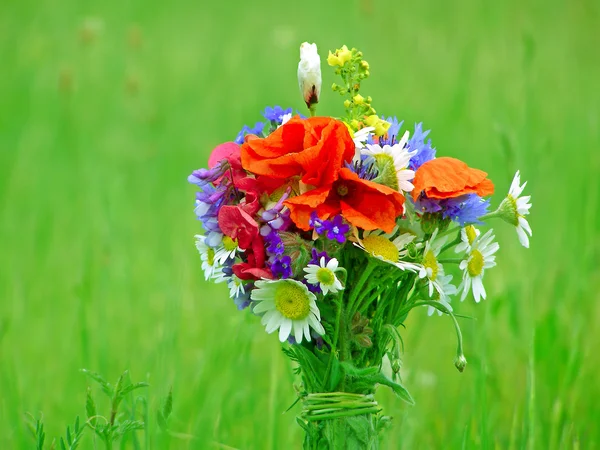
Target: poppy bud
x=309, y=74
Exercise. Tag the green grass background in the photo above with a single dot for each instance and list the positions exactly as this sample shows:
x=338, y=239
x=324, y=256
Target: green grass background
x=105, y=107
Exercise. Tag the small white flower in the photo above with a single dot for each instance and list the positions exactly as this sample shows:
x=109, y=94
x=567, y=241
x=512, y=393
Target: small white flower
x=285, y=119
x=480, y=257
x=360, y=137
x=226, y=250
x=236, y=286
x=309, y=73
x=514, y=208
x=289, y=306
x=431, y=267
x=443, y=293
x=324, y=275
x=398, y=157
x=380, y=246
x=468, y=234
x=212, y=269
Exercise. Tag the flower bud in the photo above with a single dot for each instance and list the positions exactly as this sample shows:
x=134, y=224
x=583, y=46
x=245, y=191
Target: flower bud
x=359, y=99
x=309, y=73
x=460, y=362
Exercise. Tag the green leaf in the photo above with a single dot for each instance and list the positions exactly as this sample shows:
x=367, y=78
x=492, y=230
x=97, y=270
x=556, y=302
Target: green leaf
x=62, y=444
x=105, y=385
x=132, y=387
x=398, y=389
x=90, y=408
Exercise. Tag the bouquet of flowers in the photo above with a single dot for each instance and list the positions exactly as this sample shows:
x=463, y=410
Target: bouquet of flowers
x=331, y=230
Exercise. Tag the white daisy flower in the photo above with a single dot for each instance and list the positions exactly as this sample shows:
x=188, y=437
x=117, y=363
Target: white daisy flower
x=236, y=286
x=514, y=208
x=324, y=275
x=431, y=268
x=226, y=250
x=443, y=294
x=361, y=136
x=289, y=306
x=394, y=158
x=480, y=257
x=468, y=234
x=211, y=267
x=380, y=246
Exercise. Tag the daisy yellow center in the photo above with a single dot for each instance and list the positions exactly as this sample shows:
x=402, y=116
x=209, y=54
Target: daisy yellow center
x=325, y=276
x=380, y=246
x=430, y=262
x=292, y=301
x=229, y=244
x=210, y=253
x=471, y=234
x=475, y=264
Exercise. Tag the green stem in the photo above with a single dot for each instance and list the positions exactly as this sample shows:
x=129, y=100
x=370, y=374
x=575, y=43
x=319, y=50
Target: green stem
x=450, y=261
x=356, y=290
x=452, y=244
x=460, y=362
x=489, y=216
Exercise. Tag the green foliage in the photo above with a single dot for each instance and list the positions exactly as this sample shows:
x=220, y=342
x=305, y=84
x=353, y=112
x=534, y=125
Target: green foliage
x=116, y=427
x=72, y=440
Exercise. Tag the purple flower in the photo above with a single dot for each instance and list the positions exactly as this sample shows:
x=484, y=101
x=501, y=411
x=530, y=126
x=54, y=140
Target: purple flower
x=336, y=229
x=424, y=150
x=274, y=243
x=276, y=113
x=282, y=267
x=258, y=129
x=427, y=205
x=316, y=223
x=465, y=209
x=316, y=257
x=277, y=217
x=202, y=177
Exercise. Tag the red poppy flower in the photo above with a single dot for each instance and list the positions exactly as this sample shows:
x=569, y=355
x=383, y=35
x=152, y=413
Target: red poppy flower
x=362, y=203
x=448, y=178
x=238, y=224
x=254, y=266
x=314, y=149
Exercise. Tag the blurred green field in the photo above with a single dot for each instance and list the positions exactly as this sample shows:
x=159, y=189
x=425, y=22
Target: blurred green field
x=105, y=107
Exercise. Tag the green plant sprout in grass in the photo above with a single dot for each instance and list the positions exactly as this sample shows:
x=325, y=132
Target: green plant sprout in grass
x=115, y=427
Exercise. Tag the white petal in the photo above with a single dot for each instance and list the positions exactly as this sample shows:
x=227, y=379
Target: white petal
x=523, y=239
x=285, y=329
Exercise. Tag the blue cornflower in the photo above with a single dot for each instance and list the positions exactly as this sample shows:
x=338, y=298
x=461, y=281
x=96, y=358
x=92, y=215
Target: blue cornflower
x=465, y=209
x=365, y=168
x=258, y=129
x=424, y=150
x=276, y=113
x=274, y=243
x=282, y=267
x=336, y=229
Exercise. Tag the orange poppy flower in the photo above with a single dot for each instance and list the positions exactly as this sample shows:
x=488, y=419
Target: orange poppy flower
x=314, y=149
x=362, y=203
x=448, y=178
